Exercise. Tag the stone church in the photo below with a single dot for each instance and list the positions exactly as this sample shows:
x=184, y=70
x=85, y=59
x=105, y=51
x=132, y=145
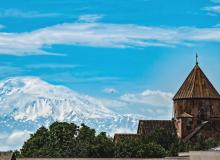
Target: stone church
x=196, y=109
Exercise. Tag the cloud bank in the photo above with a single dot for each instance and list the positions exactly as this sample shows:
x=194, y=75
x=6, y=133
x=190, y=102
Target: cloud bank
x=102, y=35
x=149, y=97
x=215, y=9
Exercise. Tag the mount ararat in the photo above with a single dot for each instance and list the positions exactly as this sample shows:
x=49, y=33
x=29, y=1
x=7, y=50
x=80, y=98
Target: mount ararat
x=26, y=103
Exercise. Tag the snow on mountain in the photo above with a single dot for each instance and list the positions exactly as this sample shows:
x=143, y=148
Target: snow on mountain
x=26, y=103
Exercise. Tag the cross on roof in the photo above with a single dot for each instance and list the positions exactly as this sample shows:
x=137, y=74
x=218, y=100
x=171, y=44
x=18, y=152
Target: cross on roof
x=197, y=59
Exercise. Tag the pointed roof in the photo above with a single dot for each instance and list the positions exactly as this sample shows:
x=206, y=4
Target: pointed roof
x=197, y=85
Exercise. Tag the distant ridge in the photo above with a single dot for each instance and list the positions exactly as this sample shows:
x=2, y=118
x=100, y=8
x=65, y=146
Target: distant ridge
x=26, y=103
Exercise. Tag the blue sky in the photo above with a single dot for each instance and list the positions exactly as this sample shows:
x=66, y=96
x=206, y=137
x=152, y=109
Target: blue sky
x=110, y=49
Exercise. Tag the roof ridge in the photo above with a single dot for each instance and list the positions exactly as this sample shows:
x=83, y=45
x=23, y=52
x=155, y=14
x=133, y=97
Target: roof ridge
x=155, y=120
x=126, y=134
x=193, y=89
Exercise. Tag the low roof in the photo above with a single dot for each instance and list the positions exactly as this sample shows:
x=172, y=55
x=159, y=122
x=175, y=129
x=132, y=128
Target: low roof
x=147, y=127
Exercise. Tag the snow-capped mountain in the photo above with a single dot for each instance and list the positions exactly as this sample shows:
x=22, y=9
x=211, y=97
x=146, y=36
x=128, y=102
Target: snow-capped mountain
x=26, y=103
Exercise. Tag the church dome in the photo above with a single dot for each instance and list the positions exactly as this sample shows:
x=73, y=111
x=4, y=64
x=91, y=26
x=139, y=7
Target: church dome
x=197, y=86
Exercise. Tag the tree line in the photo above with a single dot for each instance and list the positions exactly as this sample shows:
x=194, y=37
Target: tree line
x=65, y=140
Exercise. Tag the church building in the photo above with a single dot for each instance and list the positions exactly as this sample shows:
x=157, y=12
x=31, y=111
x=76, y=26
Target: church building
x=196, y=109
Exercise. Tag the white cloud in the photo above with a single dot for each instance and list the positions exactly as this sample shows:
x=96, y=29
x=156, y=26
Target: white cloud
x=90, y=18
x=215, y=9
x=149, y=97
x=18, y=137
x=110, y=90
x=151, y=101
x=102, y=35
x=25, y=14
x=154, y=104
x=216, y=1
x=13, y=140
x=112, y=103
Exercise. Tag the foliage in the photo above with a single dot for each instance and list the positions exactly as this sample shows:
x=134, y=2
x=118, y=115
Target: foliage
x=85, y=141
x=69, y=140
x=17, y=153
x=36, y=146
x=104, y=146
x=133, y=148
x=163, y=137
x=151, y=150
x=62, y=139
x=127, y=148
x=201, y=143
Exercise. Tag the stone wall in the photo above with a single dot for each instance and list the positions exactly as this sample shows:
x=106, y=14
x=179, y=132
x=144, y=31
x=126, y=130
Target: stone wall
x=200, y=110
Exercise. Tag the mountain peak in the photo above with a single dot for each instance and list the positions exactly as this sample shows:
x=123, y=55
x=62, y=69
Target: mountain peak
x=33, y=86
x=26, y=103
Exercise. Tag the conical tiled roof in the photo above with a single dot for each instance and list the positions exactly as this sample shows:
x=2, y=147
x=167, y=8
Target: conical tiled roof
x=197, y=85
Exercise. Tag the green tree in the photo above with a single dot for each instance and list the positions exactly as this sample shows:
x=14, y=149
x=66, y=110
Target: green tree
x=103, y=146
x=127, y=148
x=17, y=153
x=85, y=141
x=134, y=148
x=68, y=140
x=151, y=150
x=178, y=146
x=36, y=145
x=202, y=143
x=165, y=138
x=62, y=139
